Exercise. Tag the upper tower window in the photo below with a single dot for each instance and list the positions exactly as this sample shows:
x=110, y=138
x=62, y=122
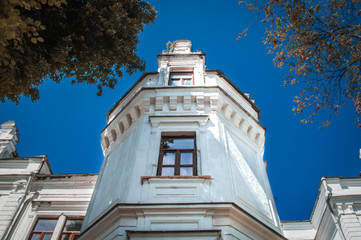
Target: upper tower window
x=181, y=78
x=177, y=156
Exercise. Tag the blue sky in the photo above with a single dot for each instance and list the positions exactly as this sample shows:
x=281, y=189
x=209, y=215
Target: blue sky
x=66, y=122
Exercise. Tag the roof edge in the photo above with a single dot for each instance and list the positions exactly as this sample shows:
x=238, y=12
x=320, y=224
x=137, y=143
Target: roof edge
x=254, y=106
x=127, y=92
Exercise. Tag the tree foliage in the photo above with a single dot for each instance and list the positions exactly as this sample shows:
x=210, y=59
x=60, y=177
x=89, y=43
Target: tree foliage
x=90, y=41
x=320, y=40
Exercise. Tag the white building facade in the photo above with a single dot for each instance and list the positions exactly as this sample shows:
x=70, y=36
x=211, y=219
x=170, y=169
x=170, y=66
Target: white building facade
x=183, y=159
x=34, y=202
x=336, y=214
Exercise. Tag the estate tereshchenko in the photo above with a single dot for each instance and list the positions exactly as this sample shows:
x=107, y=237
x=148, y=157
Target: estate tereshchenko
x=183, y=159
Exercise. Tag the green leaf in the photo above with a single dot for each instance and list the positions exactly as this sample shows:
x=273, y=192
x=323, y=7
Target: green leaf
x=91, y=57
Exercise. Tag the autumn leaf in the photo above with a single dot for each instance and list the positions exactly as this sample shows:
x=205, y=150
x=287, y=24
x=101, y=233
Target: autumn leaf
x=321, y=44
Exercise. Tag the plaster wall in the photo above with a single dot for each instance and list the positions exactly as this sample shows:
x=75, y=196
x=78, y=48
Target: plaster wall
x=15, y=177
x=54, y=197
x=232, y=160
x=336, y=214
x=229, y=152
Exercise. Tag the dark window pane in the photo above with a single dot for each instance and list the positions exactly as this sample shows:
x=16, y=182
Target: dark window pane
x=68, y=235
x=168, y=158
x=35, y=236
x=168, y=171
x=47, y=236
x=73, y=225
x=186, y=158
x=178, y=143
x=175, y=83
x=186, y=171
x=65, y=236
x=45, y=225
x=187, y=82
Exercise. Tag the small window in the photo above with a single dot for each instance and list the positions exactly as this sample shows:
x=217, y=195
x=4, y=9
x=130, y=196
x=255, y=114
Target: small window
x=177, y=156
x=181, y=79
x=71, y=229
x=44, y=229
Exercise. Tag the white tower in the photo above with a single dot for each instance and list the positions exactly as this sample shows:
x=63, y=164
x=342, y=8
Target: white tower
x=9, y=137
x=183, y=159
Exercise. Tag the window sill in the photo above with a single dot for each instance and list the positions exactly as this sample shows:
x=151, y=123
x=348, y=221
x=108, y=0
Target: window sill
x=145, y=178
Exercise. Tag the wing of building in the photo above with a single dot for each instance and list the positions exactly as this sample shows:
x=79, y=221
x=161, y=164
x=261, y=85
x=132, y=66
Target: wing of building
x=183, y=159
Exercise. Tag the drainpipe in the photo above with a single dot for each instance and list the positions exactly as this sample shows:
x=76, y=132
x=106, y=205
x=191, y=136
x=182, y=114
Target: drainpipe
x=336, y=220
x=15, y=215
x=27, y=201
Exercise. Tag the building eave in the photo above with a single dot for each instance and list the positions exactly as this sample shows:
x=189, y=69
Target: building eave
x=70, y=175
x=221, y=74
x=184, y=87
x=217, y=71
x=127, y=92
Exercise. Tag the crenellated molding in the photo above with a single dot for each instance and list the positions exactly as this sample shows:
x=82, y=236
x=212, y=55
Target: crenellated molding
x=228, y=112
x=144, y=105
x=236, y=121
x=200, y=102
x=159, y=103
x=167, y=103
x=245, y=127
x=187, y=103
x=134, y=113
x=216, y=103
x=241, y=122
x=173, y=103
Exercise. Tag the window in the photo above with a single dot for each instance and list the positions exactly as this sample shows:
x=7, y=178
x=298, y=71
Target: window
x=44, y=229
x=177, y=156
x=71, y=229
x=181, y=78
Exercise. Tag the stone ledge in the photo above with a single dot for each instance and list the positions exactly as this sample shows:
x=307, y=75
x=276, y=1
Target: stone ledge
x=144, y=178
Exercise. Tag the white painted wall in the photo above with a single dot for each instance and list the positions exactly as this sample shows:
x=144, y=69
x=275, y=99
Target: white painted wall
x=336, y=214
x=230, y=145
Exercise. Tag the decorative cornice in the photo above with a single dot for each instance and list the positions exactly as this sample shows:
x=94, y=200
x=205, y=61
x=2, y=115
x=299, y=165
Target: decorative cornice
x=173, y=103
x=187, y=103
x=231, y=209
x=163, y=102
